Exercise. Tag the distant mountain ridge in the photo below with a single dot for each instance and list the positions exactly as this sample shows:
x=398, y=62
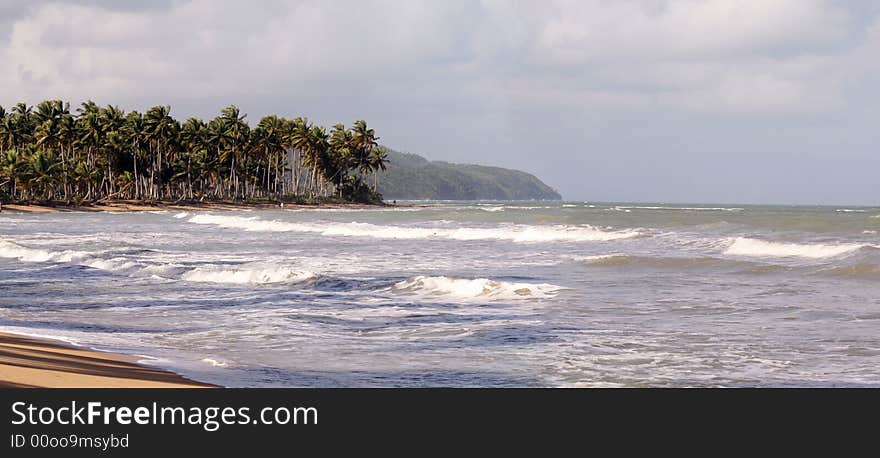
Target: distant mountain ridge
x=410, y=176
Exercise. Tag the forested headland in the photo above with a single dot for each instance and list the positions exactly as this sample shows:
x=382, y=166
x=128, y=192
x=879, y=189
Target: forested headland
x=410, y=176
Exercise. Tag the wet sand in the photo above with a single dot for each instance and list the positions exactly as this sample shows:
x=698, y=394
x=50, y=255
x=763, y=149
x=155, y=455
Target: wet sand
x=27, y=362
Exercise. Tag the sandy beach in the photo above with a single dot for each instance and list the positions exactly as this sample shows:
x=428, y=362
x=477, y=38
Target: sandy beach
x=134, y=206
x=27, y=362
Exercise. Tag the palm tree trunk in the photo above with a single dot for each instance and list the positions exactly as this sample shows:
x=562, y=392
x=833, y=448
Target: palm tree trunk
x=64, y=168
x=137, y=186
x=189, y=182
x=153, y=173
x=295, y=171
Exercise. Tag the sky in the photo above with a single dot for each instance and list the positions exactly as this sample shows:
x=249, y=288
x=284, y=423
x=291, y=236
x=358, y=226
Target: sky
x=740, y=101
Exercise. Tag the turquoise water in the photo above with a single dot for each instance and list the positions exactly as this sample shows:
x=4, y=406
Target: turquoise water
x=462, y=293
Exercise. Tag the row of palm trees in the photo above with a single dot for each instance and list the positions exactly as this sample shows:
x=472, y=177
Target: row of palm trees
x=49, y=153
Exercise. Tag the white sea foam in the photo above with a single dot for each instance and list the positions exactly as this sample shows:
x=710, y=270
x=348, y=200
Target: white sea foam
x=39, y=335
x=595, y=258
x=12, y=250
x=850, y=210
x=479, y=288
x=96, y=260
x=119, y=264
x=181, y=215
x=726, y=209
x=215, y=363
x=743, y=246
x=540, y=234
x=403, y=208
x=515, y=233
x=247, y=275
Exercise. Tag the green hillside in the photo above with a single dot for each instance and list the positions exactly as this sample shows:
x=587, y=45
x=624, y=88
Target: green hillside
x=410, y=176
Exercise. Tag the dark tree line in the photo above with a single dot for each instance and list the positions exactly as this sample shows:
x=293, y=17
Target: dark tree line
x=48, y=153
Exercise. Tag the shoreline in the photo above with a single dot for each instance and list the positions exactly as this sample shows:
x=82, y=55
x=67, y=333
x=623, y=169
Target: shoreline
x=136, y=206
x=31, y=362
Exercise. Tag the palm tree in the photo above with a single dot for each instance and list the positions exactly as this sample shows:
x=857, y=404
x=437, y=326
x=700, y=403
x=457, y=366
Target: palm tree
x=100, y=153
x=296, y=137
x=39, y=174
x=238, y=134
x=319, y=144
x=268, y=141
x=67, y=136
x=91, y=134
x=378, y=161
x=300, y=138
x=218, y=137
x=137, y=134
x=90, y=128
x=2, y=122
x=364, y=141
x=341, y=154
x=24, y=119
x=7, y=129
x=112, y=121
x=192, y=142
x=17, y=127
x=11, y=165
x=161, y=129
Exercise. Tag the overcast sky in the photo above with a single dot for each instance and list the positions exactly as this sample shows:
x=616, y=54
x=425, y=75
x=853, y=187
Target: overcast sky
x=747, y=101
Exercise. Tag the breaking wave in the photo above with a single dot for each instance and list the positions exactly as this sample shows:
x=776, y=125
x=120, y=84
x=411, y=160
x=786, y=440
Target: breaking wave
x=479, y=288
x=621, y=260
x=12, y=250
x=597, y=258
x=246, y=273
x=642, y=207
x=515, y=233
x=743, y=246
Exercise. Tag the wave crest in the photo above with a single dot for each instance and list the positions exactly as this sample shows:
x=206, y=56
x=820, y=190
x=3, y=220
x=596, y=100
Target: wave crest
x=743, y=246
x=15, y=251
x=474, y=288
x=514, y=233
x=246, y=275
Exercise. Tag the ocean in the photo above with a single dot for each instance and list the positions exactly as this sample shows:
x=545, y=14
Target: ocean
x=477, y=294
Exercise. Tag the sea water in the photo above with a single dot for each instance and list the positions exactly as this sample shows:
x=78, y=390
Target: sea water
x=461, y=293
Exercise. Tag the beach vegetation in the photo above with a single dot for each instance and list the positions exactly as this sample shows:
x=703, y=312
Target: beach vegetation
x=52, y=153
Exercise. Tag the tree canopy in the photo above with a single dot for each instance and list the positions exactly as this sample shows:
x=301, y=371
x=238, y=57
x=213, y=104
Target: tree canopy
x=50, y=153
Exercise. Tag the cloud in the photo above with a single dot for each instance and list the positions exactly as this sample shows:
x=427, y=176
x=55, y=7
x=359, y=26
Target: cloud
x=692, y=54
x=457, y=79
x=219, y=47
x=690, y=29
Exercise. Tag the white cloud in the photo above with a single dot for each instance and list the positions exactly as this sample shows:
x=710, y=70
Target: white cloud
x=689, y=29
x=473, y=73
x=217, y=47
x=690, y=54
